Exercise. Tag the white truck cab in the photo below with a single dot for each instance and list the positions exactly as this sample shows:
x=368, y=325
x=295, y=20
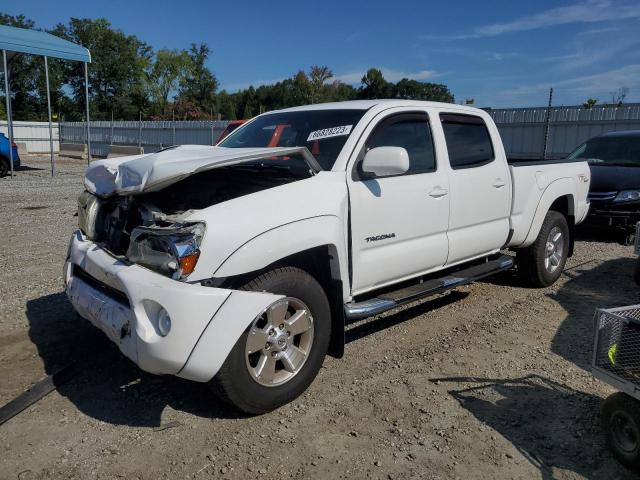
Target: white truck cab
x=238, y=265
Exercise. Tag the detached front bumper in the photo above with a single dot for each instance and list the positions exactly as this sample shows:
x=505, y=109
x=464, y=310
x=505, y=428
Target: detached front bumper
x=124, y=301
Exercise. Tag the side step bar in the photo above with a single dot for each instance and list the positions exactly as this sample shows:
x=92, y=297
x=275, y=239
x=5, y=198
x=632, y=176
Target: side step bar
x=389, y=300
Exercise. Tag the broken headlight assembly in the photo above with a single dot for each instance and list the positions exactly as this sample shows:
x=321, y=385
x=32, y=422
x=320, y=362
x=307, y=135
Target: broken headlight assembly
x=172, y=251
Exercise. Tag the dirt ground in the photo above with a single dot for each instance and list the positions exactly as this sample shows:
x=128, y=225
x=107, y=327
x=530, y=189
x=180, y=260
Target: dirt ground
x=490, y=381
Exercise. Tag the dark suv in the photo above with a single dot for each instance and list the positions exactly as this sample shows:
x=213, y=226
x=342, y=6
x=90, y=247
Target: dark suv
x=614, y=159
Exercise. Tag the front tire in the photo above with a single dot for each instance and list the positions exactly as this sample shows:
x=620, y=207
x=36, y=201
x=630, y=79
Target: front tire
x=281, y=352
x=541, y=264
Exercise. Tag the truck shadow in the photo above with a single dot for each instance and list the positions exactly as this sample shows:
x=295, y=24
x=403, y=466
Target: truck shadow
x=107, y=386
x=554, y=427
x=609, y=284
x=368, y=326
x=589, y=233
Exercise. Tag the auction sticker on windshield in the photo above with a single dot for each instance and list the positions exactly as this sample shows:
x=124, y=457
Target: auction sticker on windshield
x=329, y=132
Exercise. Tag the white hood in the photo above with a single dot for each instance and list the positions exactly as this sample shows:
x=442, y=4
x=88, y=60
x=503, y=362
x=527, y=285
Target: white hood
x=154, y=171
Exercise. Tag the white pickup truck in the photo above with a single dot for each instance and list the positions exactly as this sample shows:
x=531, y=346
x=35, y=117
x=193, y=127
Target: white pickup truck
x=239, y=265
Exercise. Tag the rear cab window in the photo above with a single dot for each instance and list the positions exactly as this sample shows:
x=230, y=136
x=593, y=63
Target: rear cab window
x=468, y=140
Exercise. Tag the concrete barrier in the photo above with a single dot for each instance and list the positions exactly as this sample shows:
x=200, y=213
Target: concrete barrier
x=74, y=150
x=124, y=150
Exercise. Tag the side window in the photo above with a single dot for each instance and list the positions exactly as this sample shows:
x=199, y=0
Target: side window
x=412, y=132
x=468, y=140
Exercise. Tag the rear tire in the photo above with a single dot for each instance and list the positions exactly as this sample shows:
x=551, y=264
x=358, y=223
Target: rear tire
x=541, y=264
x=621, y=421
x=4, y=167
x=239, y=381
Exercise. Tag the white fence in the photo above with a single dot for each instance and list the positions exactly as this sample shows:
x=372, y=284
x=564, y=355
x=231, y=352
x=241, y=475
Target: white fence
x=152, y=135
x=522, y=129
x=34, y=134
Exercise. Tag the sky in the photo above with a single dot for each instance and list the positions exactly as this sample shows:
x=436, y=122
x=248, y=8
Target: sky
x=499, y=53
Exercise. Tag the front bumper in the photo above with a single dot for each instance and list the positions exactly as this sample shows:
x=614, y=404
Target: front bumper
x=124, y=301
x=608, y=215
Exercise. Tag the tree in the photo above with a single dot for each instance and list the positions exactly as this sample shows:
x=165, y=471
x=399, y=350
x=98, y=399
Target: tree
x=414, y=90
x=116, y=73
x=589, y=103
x=618, y=97
x=165, y=74
x=199, y=84
x=317, y=78
x=23, y=72
x=374, y=85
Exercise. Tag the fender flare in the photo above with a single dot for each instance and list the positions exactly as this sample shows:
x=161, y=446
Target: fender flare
x=559, y=188
x=288, y=239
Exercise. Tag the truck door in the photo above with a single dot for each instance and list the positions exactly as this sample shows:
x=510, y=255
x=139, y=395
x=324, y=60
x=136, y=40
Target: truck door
x=480, y=188
x=398, y=223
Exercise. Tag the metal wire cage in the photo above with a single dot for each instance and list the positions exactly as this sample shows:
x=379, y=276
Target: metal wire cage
x=616, y=348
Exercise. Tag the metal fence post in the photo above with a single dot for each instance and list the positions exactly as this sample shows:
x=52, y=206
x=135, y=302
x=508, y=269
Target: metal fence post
x=86, y=96
x=7, y=92
x=46, y=75
x=111, y=139
x=173, y=125
x=546, y=126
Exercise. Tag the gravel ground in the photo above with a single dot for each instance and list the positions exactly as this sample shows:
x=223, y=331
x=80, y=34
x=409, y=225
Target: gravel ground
x=489, y=381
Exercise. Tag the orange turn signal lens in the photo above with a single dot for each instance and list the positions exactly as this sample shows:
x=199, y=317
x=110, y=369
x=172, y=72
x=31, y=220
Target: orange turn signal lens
x=188, y=263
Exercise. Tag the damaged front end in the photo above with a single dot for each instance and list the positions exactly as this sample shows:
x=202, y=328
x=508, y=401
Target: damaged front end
x=151, y=227
x=133, y=228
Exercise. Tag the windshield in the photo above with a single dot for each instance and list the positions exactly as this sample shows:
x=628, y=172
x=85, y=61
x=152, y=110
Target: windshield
x=323, y=132
x=623, y=151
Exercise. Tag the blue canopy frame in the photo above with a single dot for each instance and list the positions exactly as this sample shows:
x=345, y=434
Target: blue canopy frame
x=15, y=41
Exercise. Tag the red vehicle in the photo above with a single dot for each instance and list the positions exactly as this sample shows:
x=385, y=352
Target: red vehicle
x=230, y=128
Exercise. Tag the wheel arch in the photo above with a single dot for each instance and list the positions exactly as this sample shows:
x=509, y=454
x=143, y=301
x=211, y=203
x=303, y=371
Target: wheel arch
x=554, y=197
x=314, y=245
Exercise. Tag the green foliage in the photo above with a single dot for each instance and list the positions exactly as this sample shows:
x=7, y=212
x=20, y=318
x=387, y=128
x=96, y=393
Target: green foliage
x=374, y=85
x=126, y=78
x=412, y=89
x=199, y=85
x=589, y=103
x=169, y=69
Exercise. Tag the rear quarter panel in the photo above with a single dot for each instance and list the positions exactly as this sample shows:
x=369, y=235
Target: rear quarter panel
x=536, y=187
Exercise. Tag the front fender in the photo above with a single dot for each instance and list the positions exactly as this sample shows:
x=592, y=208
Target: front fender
x=288, y=239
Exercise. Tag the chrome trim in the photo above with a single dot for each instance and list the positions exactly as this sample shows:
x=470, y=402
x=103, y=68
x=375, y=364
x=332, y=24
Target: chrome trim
x=367, y=308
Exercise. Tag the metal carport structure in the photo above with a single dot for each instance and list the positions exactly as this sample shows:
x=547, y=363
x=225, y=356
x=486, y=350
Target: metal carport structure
x=15, y=41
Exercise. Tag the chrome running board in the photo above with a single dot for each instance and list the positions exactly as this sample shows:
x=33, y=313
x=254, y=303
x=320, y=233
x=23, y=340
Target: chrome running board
x=392, y=299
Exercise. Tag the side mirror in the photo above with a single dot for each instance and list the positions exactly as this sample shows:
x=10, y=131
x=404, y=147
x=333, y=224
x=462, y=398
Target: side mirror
x=386, y=161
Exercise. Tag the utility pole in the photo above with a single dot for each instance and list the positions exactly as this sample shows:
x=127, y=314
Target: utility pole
x=546, y=126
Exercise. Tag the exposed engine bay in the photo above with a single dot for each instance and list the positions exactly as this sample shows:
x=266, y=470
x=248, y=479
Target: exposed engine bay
x=111, y=222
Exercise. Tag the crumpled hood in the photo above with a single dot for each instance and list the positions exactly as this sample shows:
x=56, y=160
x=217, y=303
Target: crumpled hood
x=155, y=171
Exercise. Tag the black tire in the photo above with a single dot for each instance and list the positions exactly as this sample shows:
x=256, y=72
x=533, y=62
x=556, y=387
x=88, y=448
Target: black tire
x=4, y=167
x=620, y=418
x=531, y=260
x=636, y=271
x=234, y=384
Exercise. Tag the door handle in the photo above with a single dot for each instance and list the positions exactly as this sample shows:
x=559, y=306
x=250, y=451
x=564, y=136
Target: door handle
x=438, y=192
x=498, y=183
